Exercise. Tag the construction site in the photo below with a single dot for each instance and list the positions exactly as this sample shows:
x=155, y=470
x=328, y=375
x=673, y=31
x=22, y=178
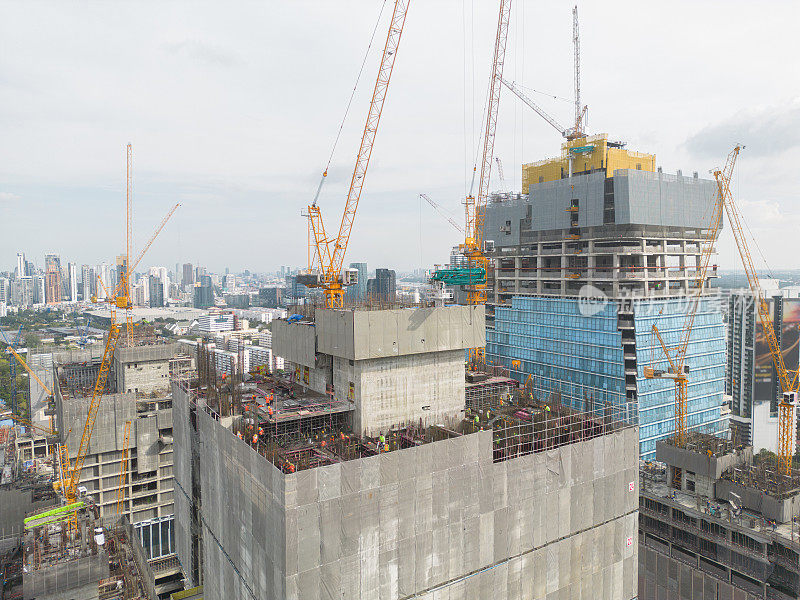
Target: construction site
x=715, y=524
x=560, y=432
x=293, y=492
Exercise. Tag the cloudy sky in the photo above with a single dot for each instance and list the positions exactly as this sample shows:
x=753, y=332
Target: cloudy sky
x=232, y=109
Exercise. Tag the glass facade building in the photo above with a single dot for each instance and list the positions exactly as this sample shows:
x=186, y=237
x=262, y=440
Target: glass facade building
x=602, y=347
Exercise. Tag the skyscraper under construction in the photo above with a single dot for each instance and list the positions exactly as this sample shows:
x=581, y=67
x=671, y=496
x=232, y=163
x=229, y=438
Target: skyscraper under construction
x=600, y=246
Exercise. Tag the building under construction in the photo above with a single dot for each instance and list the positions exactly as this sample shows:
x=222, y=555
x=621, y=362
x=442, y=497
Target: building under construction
x=602, y=246
x=96, y=558
x=714, y=523
x=127, y=471
x=368, y=476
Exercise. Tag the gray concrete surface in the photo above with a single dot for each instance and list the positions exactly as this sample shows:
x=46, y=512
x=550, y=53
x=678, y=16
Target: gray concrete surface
x=440, y=521
x=366, y=334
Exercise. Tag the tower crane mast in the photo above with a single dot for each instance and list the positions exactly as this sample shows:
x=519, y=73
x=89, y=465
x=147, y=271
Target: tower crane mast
x=788, y=379
x=328, y=253
x=676, y=357
x=576, y=40
x=473, y=247
x=118, y=300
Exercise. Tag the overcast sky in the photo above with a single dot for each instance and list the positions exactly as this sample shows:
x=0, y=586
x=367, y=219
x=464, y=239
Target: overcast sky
x=232, y=109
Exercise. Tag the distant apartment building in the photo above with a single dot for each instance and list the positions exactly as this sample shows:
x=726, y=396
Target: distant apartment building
x=359, y=291
x=750, y=377
x=53, y=278
x=384, y=285
x=5, y=290
x=599, y=248
x=72, y=282
x=20, y=272
x=188, y=275
x=215, y=323
x=88, y=285
x=155, y=291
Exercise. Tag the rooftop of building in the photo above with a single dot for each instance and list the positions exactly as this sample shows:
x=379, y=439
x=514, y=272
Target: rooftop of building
x=296, y=429
x=179, y=313
x=705, y=444
x=653, y=482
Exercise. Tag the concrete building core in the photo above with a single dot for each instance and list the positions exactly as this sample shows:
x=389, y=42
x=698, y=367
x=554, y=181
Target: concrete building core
x=144, y=369
x=394, y=366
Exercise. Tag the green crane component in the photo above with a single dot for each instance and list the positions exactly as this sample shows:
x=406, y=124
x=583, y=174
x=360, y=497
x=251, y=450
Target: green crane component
x=461, y=276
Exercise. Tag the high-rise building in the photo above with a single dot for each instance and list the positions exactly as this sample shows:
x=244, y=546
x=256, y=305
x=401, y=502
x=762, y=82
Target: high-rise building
x=359, y=291
x=294, y=289
x=121, y=268
x=750, y=377
x=270, y=297
x=188, y=275
x=156, y=291
x=103, y=280
x=72, y=282
x=445, y=507
x=384, y=286
x=39, y=289
x=21, y=271
x=53, y=278
x=23, y=292
x=5, y=290
x=203, y=293
x=87, y=282
x=600, y=248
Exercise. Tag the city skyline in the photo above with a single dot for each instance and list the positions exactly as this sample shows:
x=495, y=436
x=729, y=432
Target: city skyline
x=245, y=169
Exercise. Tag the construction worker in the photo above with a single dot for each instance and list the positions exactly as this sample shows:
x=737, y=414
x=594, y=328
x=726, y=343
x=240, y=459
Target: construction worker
x=255, y=438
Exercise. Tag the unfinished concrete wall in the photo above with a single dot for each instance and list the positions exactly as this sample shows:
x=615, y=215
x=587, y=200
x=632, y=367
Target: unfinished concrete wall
x=144, y=369
x=436, y=521
x=71, y=578
x=775, y=509
x=359, y=335
x=388, y=391
x=185, y=446
x=148, y=455
x=295, y=342
x=703, y=465
x=109, y=426
x=661, y=576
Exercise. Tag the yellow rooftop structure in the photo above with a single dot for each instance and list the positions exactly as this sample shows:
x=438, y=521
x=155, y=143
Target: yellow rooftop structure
x=587, y=154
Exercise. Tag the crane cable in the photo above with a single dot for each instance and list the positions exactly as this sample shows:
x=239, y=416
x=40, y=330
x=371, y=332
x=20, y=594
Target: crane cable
x=349, y=103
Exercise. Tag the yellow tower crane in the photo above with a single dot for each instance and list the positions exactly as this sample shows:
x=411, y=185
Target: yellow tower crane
x=788, y=379
x=119, y=300
x=473, y=276
x=475, y=207
x=678, y=370
x=326, y=255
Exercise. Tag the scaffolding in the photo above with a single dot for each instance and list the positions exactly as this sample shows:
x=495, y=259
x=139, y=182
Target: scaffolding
x=523, y=421
x=766, y=478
